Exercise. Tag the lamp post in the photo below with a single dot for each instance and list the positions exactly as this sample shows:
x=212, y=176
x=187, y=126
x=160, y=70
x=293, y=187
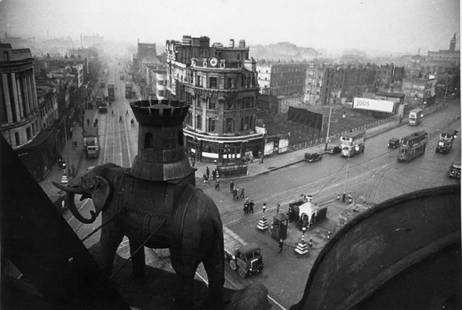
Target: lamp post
x=328, y=128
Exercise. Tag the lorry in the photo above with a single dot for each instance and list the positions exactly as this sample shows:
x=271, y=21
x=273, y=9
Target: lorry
x=352, y=143
x=445, y=142
x=91, y=146
x=415, y=117
x=101, y=105
x=242, y=257
x=111, y=92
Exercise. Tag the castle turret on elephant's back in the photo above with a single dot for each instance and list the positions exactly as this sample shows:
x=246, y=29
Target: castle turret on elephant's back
x=161, y=153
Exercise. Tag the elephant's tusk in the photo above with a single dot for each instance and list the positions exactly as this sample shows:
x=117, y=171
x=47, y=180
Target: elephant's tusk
x=67, y=189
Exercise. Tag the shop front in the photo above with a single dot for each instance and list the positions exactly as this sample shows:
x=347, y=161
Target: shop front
x=218, y=149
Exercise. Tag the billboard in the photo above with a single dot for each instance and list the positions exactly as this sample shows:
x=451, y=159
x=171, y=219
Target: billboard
x=374, y=105
x=305, y=117
x=283, y=145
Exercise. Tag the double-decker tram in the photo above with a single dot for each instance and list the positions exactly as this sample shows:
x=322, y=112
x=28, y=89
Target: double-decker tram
x=412, y=146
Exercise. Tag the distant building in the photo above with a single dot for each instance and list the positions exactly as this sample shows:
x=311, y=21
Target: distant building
x=282, y=79
x=88, y=41
x=220, y=85
x=445, y=58
x=330, y=84
x=156, y=80
x=146, y=51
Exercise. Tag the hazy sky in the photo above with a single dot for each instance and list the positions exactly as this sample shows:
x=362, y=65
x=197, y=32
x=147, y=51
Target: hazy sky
x=389, y=25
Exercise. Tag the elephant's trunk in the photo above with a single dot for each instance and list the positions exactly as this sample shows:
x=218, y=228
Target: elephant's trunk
x=76, y=213
x=71, y=191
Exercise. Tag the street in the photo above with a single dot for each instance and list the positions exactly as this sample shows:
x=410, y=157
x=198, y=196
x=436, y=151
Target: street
x=371, y=177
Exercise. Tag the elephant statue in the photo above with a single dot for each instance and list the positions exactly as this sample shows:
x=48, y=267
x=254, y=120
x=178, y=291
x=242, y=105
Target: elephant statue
x=156, y=214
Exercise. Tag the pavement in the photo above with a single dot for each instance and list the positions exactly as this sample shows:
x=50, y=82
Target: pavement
x=73, y=155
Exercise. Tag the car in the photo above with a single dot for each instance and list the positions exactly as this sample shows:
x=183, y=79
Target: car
x=393, y=143
x=454, y=170
x=335, y=150
x=312, y=157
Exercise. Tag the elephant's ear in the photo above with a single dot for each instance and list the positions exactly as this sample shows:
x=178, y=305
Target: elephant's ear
x=100, y=193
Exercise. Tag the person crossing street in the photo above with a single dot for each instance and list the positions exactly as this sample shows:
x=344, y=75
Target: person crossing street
x=281, y=244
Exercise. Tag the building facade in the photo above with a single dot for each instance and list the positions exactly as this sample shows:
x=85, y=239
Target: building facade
x=220, y=86
x=19, y=106
x=445, y=58
x=279, y=79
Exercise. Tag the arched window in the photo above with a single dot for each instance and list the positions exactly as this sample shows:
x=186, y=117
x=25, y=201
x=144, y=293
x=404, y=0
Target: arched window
x=148, y=140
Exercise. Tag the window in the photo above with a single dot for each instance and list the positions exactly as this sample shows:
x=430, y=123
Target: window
x=148, y=140
x=212, y=103
x=199, y=122
x=213, y=82
x=229, y=125
x=16, y=137
x=28, y=133
x=211, y=125
x=229, y=105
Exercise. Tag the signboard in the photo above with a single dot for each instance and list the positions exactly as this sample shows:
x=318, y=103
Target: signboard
x=373, y=105
x=269, y=148
x=283, y=145
x=261, y=130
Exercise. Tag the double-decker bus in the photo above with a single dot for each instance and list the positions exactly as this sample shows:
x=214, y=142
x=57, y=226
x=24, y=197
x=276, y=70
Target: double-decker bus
x=352, y=143
x=415, y=117
x=412, y=146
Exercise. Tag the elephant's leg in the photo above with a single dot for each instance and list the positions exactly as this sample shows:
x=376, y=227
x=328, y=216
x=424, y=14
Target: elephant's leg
x=111, y=237
x=214, y=266
x=138, y=259
x=185, y=267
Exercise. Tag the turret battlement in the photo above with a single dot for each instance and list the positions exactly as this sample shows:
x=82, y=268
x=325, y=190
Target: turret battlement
x=159, y=112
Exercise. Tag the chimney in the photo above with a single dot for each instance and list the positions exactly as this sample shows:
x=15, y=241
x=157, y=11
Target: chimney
x=231, y=43
x=161, y=153
x=241, y=43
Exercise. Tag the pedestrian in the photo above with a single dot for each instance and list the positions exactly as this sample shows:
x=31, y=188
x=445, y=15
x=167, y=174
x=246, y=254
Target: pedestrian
x=126, y=113
x=281, y=244
x=217, y=185
x=120, y=119
x=207, y=171
x=278, y=206
x=350, y=198
x=310, y=243
x=70, y=133
x=214, y=174
x=205, y=178
x=231, y=186
x=242, y=194
x=263, y=208
x=218, y=174
x=132, y=122
x=235, y=197
x=251, y=205
x=343, y=197
x=88, y=122
x=338, y=196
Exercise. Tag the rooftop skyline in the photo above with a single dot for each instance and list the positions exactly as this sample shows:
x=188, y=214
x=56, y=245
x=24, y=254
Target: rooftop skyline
x=385, y=25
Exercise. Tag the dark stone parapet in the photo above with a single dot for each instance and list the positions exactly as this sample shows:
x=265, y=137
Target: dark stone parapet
x=159, y=112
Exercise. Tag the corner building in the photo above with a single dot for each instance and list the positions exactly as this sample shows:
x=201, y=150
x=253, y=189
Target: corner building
x=220, y=86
